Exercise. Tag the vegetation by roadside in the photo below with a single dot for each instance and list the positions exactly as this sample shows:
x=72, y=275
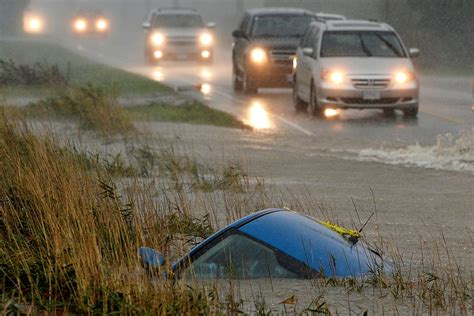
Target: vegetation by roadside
x=92, y=108
x=76, y=69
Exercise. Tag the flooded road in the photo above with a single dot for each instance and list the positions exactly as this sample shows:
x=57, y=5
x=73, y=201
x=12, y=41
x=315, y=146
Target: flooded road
x=441, y=136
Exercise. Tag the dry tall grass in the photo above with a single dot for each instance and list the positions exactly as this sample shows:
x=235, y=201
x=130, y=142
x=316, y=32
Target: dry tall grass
x=70, y=229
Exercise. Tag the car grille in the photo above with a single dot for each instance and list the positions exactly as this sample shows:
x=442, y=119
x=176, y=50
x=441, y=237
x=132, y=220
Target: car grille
x=282, y=56
x=182, y=40
x=363, y=83
x=363, y=101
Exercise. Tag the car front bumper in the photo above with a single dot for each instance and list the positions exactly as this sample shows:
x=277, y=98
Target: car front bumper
x=182, y=51
x=352, y=98
x=272, y=75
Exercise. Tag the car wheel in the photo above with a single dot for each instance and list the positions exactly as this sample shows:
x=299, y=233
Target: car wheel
x=300, y=105
x=249, y=85
x=314, y=107
x=236, y=82
x=411, y=113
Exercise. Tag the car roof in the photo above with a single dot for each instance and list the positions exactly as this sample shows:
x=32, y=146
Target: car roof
x=330, y=15
x=176, y=11
x=284, y=230
x=279, y=11
x=356, y=25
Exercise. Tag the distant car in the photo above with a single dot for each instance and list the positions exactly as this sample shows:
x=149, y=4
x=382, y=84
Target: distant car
x=178, y=34
x=86, y=24
x=354, y=64
x=264, y=46
x=330, y=16
x=33, y=22
x=275, y=243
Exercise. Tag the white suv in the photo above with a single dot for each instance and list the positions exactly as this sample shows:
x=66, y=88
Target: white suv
x=354, y=64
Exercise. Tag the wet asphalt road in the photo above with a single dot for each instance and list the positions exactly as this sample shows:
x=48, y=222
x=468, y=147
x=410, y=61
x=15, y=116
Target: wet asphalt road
x=446, y=107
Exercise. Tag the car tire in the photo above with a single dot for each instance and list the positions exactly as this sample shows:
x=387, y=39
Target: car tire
x=249, y=85
x=300, y=105
x=314, y=108
x=411, y=113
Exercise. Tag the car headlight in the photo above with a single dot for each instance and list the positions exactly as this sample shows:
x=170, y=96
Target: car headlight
x=102, y=24
x=402, y=77
x=206, y=39
x=295, y=63
x=333, y=76
x=33, y=24
x=258, y=56
x=80, y=25
x=158, y=39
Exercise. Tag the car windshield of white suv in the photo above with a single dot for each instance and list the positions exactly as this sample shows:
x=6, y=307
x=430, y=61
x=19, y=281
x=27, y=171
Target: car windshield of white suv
x=178, y=21
x=361, y=44
x=280, y=25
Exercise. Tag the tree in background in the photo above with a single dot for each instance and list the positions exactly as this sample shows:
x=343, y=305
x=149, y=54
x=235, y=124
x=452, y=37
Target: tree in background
x=11, y=16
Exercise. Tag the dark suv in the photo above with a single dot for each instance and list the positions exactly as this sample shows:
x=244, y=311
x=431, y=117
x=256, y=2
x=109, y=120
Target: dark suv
x=264, y=46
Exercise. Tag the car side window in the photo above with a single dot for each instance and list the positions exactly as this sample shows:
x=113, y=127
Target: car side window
x=248, y=27
x=239, y=257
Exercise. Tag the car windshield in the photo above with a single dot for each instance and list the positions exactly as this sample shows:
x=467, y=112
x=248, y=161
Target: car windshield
x=280, y=25
x=178, y=21
x=361, y=44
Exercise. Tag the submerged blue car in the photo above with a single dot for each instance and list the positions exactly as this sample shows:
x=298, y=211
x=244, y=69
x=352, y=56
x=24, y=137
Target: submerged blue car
x=275, y=243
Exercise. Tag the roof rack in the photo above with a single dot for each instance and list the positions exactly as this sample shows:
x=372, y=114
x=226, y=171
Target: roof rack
x=175, y=8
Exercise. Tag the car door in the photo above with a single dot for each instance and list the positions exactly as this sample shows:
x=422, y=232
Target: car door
x=305, y=64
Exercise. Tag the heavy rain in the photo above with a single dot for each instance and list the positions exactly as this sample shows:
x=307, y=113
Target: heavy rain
x=261, y=157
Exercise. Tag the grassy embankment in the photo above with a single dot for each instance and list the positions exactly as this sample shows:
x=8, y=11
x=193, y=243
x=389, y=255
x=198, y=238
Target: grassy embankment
x=65, y=83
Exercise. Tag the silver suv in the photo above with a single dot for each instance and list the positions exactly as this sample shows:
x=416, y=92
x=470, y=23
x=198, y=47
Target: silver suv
x=178, y=34
x=354, y=64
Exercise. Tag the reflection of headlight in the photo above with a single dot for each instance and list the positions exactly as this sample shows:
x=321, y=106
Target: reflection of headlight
x=295, y=63
x=157, y=39
x=80, y=25
x=335, y=77
x=403, y=77
x=206, y=39
x=102, y=24
x=258, y=56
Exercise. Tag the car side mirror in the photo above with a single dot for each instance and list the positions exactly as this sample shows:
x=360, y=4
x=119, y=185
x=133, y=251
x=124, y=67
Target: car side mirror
x=211, y=25
x=414, y=52
x=146, y=25
x=238, y=34
x=308, y=51
x=151, y=259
